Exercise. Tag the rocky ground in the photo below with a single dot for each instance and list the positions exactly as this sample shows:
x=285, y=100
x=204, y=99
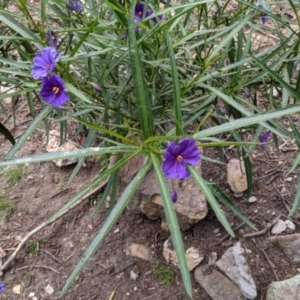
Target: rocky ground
x=136, y=260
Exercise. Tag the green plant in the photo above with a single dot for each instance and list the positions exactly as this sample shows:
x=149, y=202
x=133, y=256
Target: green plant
x=13, y=174
x=34, y=246
x=6, y=207
x=164, y=274
x=137, y=80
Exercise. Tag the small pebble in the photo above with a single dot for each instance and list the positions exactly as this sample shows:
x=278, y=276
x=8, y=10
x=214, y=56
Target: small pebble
x=17, y=289
x=290, y=225
x=212, y=258
x=252, y=199
x=117, y=230
x=133, y=275
x=289, y=179
x=31, y=295
x=49, y=290
x=217, y=230
x=279, y=227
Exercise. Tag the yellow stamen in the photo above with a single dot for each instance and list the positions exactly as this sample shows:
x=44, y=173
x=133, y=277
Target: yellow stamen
x=55, y=89
x=179, y=158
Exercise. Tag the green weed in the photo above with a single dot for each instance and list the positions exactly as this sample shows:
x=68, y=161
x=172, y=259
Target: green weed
x=6, y=207
x=164, y=275
x=13, y=174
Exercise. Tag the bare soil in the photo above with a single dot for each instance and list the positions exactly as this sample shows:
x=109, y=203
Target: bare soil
x=44, y=188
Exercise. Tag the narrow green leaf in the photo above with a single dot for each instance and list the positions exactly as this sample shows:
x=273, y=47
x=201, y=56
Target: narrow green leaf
x=172, y=224
x=7, y=134
x=92, y=151
x=240, y=123
x=105, y=130
x=222, y=197
x=296, y=200
x=278, y=78
x=140, y=88
x=11, y=22
x=176, y=87
x=31, y=128
x=107, y=225
x=211, y=199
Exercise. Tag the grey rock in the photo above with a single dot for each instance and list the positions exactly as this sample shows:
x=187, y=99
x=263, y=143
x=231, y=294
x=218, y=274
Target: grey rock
x=234, y=265
x=217, y=285
x=288, y=289
x=236, y=176
x=191, y=206
x=279, y=227
x=133, y=275
x=290, y=245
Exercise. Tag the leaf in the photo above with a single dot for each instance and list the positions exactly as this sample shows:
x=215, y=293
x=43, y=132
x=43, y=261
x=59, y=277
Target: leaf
x=35, y=123
x=107, y=225
x=176, y=87
x=246, y=122
x=172, y=224
x=221, y=196
x=211, y=199
x=7, y=134
x=140, y=88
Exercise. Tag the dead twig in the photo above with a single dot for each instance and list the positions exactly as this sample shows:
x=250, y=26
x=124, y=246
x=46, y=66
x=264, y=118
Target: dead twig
x=282, y=198
x=52, y=256
x=37, y=266
x=228, y=235
x=115, y=273
x=44, y=224
x=263, y=231
x=270, y=263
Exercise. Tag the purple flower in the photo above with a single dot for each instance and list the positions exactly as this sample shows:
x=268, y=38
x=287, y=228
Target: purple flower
x=264, y=17
x=264, y=138
x=173, y=195
x=51, y=37
x=141, y=13
x=2, y=287
x=53, y=91
x=177, y=155
x=74, y=5
x=44, y=62
x=96, y=87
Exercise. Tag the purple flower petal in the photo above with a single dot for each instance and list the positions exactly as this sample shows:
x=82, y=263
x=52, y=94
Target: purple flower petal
x=53, y=91
x=2, y=287
x=51, y=38
x=74, y=5
x=173, y=196
x=44, y=62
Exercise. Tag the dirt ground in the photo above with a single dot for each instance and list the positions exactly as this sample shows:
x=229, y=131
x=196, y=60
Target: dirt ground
x=49, y=257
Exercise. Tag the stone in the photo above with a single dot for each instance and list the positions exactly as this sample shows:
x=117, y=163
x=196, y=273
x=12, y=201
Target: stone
x=133, y=275
x=290, y=245
x=288, y=289
x=279, y=227
x=236, y=175
x=17, y=289
x=217, y=285
x=193, y=258
x=252, y=199
x=49, y=289
x=53, y=145
x=290, y=225
x=139, y=251
x=234, y=265
x=212, y=258
x=190, y=207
